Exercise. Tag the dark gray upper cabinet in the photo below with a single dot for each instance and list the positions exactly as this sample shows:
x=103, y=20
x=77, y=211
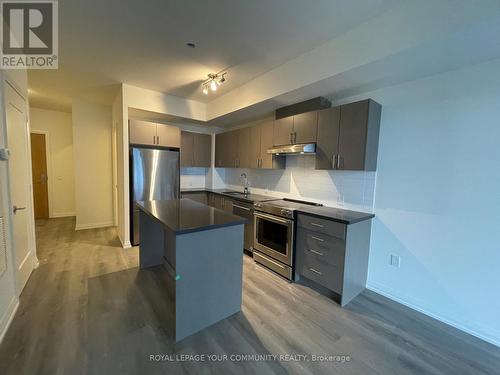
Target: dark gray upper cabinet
x=283, y=131
x=202, y=153
x=168, y=136
x=247, y=148
x=222, y=150
x=269, y=161
x=301, y=128
x=305, y=127
x=150, y=133
x=243, y=150
x=187, y=149
x=327, y=145
x=142, y=132
x=255, y=141
x=359, y=135
x=196, y=150
x=228, y=153
x=349, y=140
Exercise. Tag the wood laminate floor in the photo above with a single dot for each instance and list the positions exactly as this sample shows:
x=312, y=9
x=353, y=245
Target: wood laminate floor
x=88, y=309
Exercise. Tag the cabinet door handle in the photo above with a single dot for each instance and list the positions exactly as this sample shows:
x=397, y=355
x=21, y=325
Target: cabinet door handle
x=316, y=252
x=334, y=161
x=316, y=272
x=338, y=161
x=317, y=225
x=317, y=239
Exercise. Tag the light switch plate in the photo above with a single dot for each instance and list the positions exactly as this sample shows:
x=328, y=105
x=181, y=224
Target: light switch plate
x=4, y=154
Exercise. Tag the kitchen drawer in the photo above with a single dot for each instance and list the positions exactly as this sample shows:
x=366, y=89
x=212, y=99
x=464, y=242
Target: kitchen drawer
x=327, y=275
x=325, y=248
x=331, y=228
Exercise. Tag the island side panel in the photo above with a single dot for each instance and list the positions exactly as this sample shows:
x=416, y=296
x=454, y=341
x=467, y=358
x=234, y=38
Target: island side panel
x=151, y=248
x=357, y=254
x=210, y=266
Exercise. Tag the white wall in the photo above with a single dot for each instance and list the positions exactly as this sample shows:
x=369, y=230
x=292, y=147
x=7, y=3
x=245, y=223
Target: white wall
x=60, y=163
x=154, y=101
x=437, y=200
x=93, y=165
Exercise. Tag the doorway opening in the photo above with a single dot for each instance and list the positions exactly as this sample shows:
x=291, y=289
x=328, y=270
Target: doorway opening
x=39, y=146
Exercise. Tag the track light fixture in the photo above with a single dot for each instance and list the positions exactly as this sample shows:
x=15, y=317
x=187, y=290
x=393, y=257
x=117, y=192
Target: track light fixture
x=214, y=80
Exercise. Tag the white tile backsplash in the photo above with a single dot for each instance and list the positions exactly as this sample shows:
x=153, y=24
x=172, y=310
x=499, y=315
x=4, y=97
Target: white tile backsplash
x=193, y=177
x=347, y=189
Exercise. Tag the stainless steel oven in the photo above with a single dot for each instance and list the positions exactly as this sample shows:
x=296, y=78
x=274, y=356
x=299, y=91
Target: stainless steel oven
x=274, y=239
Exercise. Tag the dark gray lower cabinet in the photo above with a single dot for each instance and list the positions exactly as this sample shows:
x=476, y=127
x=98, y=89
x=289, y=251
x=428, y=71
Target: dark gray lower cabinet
x=333, y=255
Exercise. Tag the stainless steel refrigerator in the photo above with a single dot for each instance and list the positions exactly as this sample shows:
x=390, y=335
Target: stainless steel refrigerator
x=154, y=175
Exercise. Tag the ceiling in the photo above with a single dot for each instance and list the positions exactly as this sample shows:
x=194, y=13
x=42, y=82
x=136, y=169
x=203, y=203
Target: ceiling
x=102, y=44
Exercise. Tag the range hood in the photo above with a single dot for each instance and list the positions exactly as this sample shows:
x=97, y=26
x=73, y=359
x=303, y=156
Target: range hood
x=296, y=149
x=310, y=105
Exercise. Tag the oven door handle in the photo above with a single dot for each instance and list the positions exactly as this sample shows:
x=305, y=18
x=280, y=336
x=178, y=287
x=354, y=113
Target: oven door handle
x=273, y=218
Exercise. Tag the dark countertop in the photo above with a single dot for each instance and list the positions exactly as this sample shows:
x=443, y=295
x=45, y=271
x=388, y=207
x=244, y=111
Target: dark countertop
x=185, y=215
x=330, y=213
x=250, y=198
x=337, y=214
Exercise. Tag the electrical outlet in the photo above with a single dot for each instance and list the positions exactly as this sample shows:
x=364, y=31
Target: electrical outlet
x=395, y=261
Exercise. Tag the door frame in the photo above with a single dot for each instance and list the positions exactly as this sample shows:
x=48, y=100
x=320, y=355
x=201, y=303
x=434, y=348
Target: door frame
x=48, y=160
x=32, y=236
x=114, y=164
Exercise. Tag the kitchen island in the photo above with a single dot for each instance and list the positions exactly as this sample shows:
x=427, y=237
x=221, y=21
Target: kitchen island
x=200, y=248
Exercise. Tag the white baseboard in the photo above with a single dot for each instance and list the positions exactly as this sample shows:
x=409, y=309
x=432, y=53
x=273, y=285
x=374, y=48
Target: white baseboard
x=382, y=290
x=94, y=225
x=8, y=316
x=62, y=214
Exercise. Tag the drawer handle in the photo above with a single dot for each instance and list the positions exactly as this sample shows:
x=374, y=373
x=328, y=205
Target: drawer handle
x=317, y=225
x=317, y=239
x=316, y=272
x=316, y=252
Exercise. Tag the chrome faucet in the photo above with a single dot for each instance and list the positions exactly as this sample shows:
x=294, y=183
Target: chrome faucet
x=244, y=179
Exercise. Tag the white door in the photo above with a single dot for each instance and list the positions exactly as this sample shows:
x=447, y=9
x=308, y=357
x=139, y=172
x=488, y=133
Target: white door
x=17, y=138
